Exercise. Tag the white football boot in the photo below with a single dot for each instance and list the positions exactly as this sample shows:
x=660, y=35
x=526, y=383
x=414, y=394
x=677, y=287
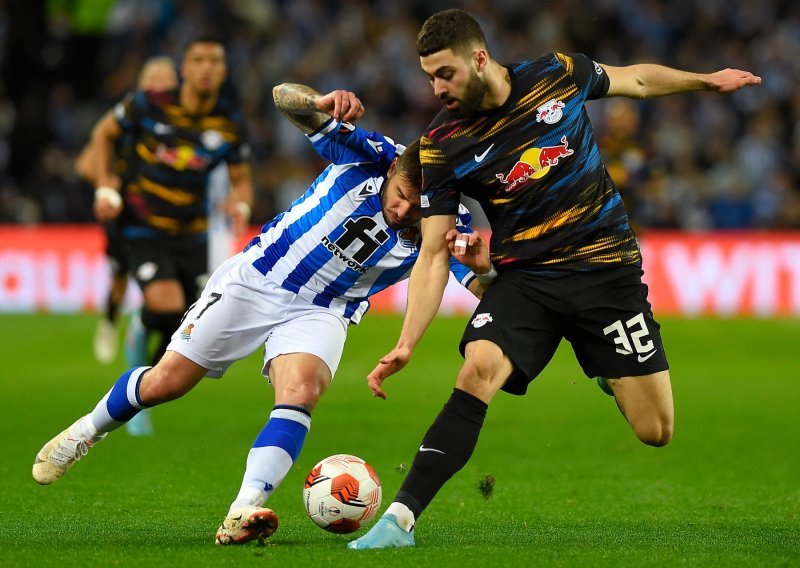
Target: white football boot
x=60, y=454
x=245, y=524
x=106, y=342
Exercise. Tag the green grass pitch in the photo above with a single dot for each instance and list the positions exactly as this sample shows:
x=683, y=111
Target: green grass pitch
x=573, y=485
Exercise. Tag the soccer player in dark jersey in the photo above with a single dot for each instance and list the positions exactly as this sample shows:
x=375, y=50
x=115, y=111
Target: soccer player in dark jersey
x=180, y=136
x=158, y=74
x=518, y=139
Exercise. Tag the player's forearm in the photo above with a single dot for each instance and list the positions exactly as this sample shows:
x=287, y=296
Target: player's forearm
x=103, y=136
x=425, y=291
x=476, y=288
x=648, y=80
x=298, y=104
x=85, y=164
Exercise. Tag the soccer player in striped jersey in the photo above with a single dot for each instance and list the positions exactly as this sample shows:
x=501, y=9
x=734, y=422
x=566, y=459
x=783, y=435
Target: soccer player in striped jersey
x=180, y=136
x=294, y=290
x=158, y=74
x=517, y=138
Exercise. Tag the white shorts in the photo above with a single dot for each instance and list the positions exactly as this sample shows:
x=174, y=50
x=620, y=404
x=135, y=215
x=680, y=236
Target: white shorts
x=240, y=310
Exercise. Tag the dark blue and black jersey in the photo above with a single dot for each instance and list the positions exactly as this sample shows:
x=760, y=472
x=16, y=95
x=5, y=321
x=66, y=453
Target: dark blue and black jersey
x=173, y=154
x=534, y=166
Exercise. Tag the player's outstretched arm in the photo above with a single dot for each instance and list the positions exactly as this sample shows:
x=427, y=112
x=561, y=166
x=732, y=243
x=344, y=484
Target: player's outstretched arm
x=648, y=80
x=308, y=109
x=425, y=291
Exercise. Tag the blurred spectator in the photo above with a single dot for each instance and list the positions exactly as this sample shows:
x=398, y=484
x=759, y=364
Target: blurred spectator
x=63, y=62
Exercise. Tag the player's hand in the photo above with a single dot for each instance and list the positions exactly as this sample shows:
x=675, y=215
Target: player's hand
x=342, y=105
x=729, y=80
x=107, y=203
x=470, y=249
x=388, y=366
x=239, y=214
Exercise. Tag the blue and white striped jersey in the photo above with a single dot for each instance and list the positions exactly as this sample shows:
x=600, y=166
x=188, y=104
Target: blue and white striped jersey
x=333, y=246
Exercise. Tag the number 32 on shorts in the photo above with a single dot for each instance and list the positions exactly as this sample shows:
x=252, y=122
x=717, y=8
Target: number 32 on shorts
x=628, y=337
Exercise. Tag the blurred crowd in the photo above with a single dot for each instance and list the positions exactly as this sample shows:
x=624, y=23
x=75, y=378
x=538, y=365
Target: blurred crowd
x=696, y=161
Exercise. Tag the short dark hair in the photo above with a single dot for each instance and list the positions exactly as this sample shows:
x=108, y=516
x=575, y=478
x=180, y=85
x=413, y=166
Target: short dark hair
x=204, y=38
x=408, y=165
x=450, y=29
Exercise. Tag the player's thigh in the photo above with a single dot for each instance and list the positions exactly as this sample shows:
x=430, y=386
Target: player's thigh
x=233, y=317
x=648, y=394
x=299, y=379
x=647, y=404
x=164, y=296
x=310, y=330
x=513, y=316
x=611, y=325
x=155, y=270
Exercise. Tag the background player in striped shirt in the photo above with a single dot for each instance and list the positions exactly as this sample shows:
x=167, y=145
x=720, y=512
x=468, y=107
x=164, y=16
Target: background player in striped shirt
x=178, y=138
x=158, y=74
x=294, y=290
x=517, y=138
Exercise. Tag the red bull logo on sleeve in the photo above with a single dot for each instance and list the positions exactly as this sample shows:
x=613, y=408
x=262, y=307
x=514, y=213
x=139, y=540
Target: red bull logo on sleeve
x=534, y=164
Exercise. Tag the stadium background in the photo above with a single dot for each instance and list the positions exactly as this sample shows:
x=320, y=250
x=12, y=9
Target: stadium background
x=711, y=183
x=692, y=164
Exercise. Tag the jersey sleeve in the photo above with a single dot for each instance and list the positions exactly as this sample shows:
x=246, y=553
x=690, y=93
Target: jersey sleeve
x=129, y=110
x=589, y=76
x=346, y=143
x=439, y=193
x=463, y=274
x=240, y=147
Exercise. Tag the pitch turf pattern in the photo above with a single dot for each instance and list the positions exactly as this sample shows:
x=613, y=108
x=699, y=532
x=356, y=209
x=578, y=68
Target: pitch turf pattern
x=573, y=486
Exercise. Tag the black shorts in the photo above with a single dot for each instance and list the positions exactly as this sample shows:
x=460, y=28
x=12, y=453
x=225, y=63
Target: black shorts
x=184, y=259
x=116, y=249
x=604, y=314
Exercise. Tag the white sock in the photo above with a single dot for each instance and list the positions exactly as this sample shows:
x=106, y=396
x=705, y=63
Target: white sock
x=405, y=518
x=87, y=429
x=266, y=468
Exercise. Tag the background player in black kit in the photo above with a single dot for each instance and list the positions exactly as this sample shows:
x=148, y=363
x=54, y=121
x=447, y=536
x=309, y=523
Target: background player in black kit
x=517, y=139
x=158, y=74
x=180, y=136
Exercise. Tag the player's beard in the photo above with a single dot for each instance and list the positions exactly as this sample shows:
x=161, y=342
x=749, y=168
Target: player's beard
x=474, y=93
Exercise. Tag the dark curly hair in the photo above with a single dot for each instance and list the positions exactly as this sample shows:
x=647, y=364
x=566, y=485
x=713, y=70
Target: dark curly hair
x=450, y=29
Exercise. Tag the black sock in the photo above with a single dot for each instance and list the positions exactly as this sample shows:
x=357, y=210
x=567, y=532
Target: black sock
x=112, y=309
x=446, y=448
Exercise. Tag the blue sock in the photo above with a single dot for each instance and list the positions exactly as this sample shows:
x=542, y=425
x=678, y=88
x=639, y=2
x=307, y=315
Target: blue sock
x=274, y=451
x=120, y=404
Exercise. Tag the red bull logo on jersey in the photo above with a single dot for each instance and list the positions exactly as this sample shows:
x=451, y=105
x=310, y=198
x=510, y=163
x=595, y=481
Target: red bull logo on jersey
x=181, y=158
x=550, y=112
x=534, y=164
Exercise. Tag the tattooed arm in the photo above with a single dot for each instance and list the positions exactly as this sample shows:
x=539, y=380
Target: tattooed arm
x=309, y=110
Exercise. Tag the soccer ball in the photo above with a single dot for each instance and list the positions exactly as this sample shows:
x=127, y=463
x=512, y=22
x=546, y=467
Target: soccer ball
x=342, y=493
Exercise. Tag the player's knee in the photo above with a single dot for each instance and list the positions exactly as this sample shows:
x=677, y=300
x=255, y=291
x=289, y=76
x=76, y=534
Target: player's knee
x=163, y=322
x=301, y=393
x=654, y=431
